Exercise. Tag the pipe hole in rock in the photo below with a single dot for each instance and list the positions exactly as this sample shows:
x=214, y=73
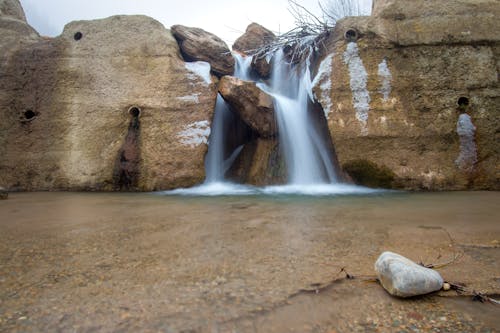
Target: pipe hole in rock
x=351, y=35
x=134, y=111
x=78, y=35
x=463, y=102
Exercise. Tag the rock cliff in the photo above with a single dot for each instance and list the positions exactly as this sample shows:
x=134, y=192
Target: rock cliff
x=412, y=94
x=107, y=105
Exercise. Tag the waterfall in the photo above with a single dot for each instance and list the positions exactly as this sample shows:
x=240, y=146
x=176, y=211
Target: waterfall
x=218, y=161
x=308, y=159
x=308, y=155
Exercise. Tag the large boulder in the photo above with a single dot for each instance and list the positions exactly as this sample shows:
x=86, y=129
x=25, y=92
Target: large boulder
x=396, y=92
x=199, y=45
x=253, y=105
x=108, y=105
x=402, y=277
x=255, y=37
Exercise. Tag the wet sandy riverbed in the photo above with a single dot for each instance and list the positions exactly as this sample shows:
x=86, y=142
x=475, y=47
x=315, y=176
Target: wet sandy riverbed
x=92, y=262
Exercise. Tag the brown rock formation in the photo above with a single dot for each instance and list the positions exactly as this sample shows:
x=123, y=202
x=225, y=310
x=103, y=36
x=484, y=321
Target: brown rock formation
x=71, y=108
x=12, y=9
x=395, y=95
x=254, y=106
x=255, y=37
x=199, y=45
x=260, y=163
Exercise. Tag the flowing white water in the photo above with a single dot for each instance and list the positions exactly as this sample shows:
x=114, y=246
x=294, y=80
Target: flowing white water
x=307, y=157
x=309, y=162
x=216, y=162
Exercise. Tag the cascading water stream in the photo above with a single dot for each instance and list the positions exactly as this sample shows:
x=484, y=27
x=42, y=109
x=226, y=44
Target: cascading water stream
x=307, y=157
x=216, y=163
x=310, y=164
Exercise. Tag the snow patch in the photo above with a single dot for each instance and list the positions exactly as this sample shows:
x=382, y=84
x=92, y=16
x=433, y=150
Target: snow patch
x=190, y=98
x=324, y=76
x=468, y=150
x=358, y=82
x=199, y=69
x=385, y=78
x=195, y=134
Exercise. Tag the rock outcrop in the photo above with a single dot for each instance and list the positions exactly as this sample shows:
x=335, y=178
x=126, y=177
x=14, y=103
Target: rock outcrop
x=199, y=45
x=109, y=104
x=412, y=92
x=12, y=9
x=253, y=105
x=255, y=37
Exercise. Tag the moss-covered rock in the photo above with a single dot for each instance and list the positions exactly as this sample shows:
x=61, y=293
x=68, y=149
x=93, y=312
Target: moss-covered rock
x=367, y=173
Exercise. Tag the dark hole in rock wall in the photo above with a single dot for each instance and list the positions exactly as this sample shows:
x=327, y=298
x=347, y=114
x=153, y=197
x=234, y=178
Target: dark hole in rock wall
x=463, y=102
x=351, y=35
x=126, y=173
x=134, y=111
x=29, y=114
x=77, y=36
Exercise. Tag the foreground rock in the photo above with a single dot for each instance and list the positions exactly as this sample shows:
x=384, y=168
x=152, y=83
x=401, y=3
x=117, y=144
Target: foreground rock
x=404, y=278
x=402, y=87
x=108, y=105
x=199, y=45
x=254, y=106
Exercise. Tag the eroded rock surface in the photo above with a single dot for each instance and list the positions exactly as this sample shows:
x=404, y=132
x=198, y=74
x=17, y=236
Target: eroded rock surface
x=68, y=105
x=393, y=95
x=199, y=45
x=253, y=105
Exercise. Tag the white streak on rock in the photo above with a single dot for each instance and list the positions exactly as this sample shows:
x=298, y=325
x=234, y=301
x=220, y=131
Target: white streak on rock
x=189, y=98
x=358, y=82
x=385, y=78
x=199, y=69
x=195, y=134
x=468, y=150
x=324, y=76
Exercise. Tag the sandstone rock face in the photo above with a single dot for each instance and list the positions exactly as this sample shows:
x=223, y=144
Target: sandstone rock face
x=255, y=37
x=419, y=106
x=199, y=45
x=108, y=105
x=12, y=9
x=254, y=106
x=404, y=278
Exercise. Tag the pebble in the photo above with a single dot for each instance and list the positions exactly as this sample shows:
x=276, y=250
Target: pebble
x=446, y=286
x=4, y=194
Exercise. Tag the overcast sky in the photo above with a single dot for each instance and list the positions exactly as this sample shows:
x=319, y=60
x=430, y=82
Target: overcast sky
x=227, y=19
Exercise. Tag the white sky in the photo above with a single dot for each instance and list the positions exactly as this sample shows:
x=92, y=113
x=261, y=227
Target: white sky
x=227, y=19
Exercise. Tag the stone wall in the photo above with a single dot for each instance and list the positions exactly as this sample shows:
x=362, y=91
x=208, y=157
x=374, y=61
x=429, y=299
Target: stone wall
x=396, y=84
